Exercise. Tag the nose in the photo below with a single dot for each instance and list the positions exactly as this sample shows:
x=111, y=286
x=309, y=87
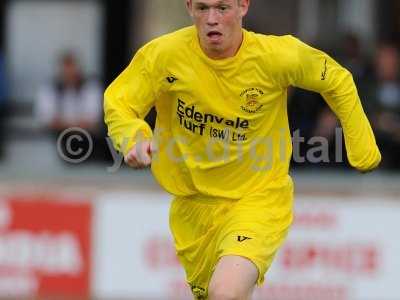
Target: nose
x=212, y=17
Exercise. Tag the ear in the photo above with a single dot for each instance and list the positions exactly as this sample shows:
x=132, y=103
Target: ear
x=244, y=7
x=189, y=7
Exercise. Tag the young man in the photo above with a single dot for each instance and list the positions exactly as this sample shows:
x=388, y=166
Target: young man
x=222, y=143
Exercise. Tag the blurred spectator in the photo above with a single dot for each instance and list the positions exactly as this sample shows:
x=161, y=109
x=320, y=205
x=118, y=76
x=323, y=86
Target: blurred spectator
x=352, y=58
x=311, y=116
x=303, y=110
x=3, y=102
x=72, y=100
x=385, y=94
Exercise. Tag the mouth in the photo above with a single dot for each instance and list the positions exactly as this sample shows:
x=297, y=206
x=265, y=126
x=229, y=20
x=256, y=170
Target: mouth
x=214, y=35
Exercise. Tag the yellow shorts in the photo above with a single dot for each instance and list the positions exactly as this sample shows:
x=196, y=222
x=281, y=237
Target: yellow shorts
x=206, y=228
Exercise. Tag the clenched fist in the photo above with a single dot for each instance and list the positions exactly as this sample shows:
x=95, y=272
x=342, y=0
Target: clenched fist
x=140, y=155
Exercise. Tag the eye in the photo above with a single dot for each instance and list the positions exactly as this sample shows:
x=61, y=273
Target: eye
x=202, y=8
x=223, y=8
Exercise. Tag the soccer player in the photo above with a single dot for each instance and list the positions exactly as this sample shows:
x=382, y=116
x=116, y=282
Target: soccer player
x=222, y=143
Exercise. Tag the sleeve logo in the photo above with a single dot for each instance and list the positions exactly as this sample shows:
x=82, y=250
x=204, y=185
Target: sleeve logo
x=171, y=79
x=323, y=74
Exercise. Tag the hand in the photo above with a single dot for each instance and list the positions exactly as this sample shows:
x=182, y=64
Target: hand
x=140, y=155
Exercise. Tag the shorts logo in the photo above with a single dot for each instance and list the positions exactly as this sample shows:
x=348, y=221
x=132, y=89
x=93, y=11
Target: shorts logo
x=251, y=96
x=198, y=292
x=242, y=238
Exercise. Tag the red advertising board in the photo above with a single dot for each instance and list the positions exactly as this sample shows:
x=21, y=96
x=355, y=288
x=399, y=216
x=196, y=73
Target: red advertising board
x=45, y=247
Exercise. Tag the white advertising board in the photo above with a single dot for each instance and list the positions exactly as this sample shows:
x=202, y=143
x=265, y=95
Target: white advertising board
x=134, y=255
x=336, y=250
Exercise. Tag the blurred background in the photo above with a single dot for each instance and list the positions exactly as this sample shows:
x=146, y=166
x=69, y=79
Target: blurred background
x=83, y=226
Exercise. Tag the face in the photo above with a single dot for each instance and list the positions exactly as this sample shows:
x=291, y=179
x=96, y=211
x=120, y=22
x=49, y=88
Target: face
x=219, y=25
x=388, y=63
x=70, y=70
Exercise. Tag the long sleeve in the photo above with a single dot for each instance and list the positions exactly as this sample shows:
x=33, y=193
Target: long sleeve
x=316, y=71
x=127, y=101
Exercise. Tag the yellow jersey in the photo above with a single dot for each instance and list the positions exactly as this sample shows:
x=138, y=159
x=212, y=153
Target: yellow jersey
x=222, y=127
